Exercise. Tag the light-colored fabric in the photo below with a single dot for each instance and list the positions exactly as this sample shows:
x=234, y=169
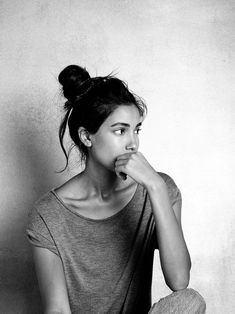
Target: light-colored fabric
x=107, y=262
x=186, y=301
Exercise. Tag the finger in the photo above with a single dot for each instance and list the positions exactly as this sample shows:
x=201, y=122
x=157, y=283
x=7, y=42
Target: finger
x=123, y=176
x=124, y=156
x=120, y=172
x=121, y=163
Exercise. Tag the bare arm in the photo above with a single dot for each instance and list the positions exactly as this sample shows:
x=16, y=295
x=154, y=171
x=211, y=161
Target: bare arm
x=174, y=255
x=51, y=281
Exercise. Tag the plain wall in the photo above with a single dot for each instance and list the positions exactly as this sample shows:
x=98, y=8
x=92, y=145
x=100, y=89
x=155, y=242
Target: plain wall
x=179, y=56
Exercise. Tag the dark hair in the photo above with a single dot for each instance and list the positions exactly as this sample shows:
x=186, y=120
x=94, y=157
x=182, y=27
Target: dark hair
x=90, y=101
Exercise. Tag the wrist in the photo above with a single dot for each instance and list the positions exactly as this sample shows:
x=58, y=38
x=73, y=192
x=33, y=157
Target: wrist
x=155, y=184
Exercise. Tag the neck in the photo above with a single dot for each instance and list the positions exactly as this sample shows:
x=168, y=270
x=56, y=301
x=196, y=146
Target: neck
x=100, y=180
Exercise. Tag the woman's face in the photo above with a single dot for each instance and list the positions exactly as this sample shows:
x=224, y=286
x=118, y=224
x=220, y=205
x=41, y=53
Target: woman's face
x=116, y=136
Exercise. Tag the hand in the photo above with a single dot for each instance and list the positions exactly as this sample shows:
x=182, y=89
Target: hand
x=138, y=168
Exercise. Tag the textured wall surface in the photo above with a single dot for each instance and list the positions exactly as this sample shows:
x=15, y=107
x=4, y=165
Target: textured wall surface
x=179, y=56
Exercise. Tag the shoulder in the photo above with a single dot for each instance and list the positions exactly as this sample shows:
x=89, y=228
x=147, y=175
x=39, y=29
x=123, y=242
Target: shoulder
x=168, y=180
x=45, y=204
x=173, y=190
x=45, y=200
x=44, y=213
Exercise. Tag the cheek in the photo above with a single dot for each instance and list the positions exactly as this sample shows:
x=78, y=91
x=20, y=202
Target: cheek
x=108, y=142
x=105, y=148
x=103, y=144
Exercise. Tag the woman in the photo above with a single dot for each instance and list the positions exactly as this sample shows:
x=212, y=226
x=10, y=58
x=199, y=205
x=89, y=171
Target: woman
x=94, y=237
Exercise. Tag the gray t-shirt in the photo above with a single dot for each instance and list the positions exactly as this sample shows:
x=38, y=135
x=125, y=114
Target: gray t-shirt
x=107, y=262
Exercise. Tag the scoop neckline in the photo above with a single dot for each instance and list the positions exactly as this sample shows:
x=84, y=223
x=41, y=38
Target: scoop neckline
x=61, y=202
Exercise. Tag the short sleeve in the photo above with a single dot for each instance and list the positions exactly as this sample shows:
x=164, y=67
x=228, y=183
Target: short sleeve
x=38, y=233
x=173, y=190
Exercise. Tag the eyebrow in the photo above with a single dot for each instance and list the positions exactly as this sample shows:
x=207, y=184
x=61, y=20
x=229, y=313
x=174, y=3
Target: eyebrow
x=125, y=124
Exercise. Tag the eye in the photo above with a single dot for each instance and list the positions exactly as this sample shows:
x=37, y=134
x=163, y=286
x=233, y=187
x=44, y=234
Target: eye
x=120, y=131
x=137, y=131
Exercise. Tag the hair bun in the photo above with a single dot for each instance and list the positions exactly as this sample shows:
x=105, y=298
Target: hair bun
x=72, y=79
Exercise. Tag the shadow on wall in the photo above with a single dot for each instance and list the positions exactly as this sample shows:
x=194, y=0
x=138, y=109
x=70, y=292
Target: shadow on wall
x=29, y=171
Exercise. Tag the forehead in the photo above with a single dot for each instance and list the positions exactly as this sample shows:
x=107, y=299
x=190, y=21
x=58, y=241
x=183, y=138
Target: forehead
x=124, y=114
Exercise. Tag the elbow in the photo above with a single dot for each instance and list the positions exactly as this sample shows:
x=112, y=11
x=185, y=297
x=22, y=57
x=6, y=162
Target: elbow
x=181, y=282
x=57, y=309
x=176, y=286
x=54, y=312
x=48, y=311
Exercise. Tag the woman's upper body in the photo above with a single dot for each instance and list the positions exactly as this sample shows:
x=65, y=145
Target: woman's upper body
x=95, y=236
x=106, y=261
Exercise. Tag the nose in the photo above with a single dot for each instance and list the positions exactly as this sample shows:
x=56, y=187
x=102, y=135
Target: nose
x=132, y=146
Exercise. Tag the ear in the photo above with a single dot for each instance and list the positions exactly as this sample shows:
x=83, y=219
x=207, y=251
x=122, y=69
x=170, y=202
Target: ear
x=84, y=136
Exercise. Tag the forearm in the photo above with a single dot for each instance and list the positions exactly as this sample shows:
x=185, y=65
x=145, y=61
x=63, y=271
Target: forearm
x=174, y=256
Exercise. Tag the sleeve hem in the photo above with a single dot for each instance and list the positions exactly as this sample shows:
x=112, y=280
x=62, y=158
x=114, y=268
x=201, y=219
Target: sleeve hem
x=38, y=240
